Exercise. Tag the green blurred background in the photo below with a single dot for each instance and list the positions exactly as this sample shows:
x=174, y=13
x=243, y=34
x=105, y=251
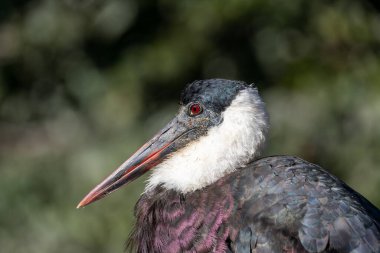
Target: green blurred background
x=84, y=83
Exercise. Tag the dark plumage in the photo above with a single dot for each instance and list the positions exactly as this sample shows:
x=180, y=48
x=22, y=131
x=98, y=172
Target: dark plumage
x=275, y=204
x=208, y=192
x=215, y=93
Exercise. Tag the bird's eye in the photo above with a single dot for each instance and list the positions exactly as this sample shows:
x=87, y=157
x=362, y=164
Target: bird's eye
x=195, y=109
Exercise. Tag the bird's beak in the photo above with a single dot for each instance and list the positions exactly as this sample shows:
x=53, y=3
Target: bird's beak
x=149, y=155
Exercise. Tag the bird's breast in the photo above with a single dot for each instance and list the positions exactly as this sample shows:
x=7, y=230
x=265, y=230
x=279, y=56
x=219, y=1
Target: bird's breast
x=168, y=221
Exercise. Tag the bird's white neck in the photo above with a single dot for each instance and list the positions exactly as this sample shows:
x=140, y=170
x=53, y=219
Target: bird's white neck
x=225, y=148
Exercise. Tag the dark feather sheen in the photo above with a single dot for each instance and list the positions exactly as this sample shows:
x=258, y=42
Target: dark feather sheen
x=216, y=93
x=275, y=204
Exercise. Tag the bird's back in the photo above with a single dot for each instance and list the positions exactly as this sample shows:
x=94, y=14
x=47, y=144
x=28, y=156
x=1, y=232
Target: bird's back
x=301, y=203
x=275, y=204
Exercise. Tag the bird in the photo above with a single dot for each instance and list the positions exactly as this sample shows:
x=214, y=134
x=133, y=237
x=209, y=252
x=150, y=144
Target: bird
x=209, y=189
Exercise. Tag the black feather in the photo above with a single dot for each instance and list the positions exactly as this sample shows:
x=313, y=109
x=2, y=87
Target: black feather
x=275, y=204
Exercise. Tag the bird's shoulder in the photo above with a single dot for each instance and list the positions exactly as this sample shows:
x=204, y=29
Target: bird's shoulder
x=315, y=208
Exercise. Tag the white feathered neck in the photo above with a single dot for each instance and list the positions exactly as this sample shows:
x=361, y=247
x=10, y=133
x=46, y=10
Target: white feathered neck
x=226, y=147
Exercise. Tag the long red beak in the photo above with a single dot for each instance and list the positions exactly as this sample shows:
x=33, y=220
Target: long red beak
x=149, y=155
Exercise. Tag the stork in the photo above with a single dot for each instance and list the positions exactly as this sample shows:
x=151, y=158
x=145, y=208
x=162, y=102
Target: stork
x=209, y=191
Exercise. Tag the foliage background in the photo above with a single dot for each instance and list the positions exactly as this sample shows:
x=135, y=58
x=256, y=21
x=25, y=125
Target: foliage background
x=84, y=83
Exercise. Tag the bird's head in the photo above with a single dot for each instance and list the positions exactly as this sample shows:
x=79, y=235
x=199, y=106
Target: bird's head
x=219, y=128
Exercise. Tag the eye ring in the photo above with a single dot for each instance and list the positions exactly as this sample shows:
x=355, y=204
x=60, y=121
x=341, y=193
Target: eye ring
x=195, y=109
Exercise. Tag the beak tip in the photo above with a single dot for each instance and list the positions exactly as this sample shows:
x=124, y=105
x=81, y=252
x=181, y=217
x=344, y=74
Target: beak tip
x=81, y=204
x=91, y=197
x=86, y=201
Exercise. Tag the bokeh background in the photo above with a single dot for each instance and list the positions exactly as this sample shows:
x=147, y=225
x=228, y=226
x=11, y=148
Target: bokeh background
x=84, y=83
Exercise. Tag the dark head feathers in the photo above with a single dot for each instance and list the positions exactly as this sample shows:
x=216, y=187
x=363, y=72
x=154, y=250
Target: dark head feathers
x=215, y=93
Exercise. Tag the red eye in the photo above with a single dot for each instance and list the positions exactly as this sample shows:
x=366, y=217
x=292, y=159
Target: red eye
x=195, y=109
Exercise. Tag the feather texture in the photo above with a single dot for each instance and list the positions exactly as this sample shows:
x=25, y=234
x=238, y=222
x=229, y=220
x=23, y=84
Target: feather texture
x=275, y=204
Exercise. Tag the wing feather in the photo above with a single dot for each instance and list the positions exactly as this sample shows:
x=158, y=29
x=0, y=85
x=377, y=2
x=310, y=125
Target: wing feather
x=291, y=205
